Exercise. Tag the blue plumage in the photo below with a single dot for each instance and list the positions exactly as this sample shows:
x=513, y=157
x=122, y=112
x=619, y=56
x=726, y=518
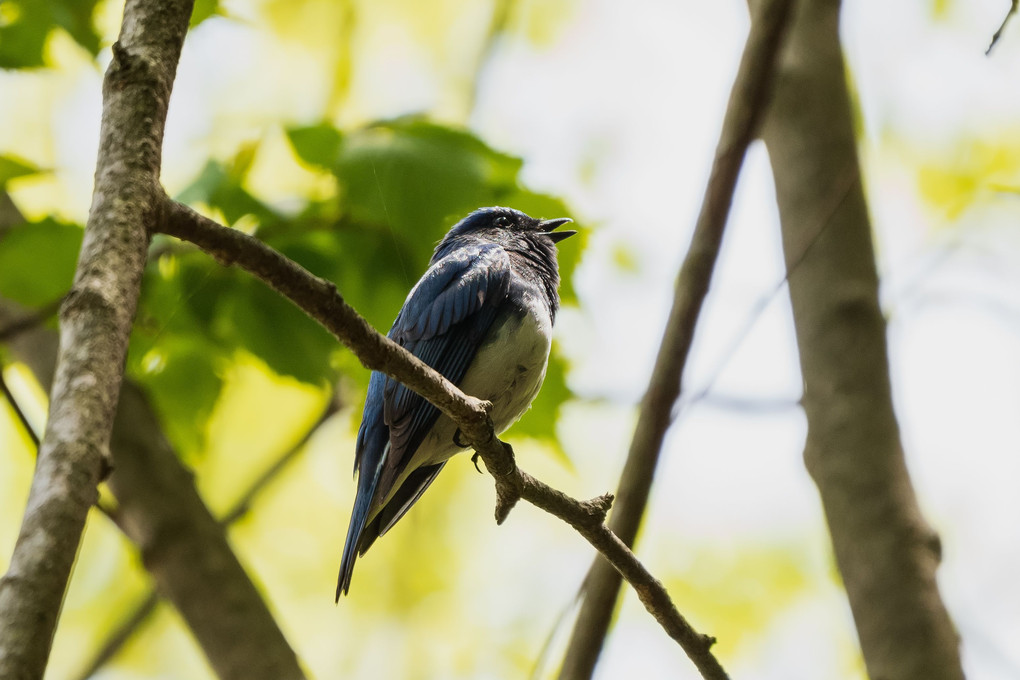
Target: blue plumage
x=482, y=316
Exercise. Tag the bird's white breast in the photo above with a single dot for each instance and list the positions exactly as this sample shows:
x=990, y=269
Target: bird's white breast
x=508, y=370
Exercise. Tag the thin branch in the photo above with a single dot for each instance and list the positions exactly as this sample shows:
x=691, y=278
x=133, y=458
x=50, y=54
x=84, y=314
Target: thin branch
x=16, y=407
x=1002, y=26
x=836, y=197
x=243, y=503
x=182, y=545
x=26, y=323
x=139, y=614
x=95, y=324
x=502, y=12
x=748, y=100
x=320, y=300
x=122, y=634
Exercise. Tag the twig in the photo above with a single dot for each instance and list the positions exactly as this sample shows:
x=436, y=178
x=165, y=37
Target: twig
x=501, y=13
x=1002, y=26
x=837, y=196
x=320, y=300
x=748, y=100
x=122, y=634
x=243, y=503
x=42, y=315
x=16, y=407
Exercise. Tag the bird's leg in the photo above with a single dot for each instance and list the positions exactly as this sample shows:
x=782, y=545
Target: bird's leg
x=458, y=440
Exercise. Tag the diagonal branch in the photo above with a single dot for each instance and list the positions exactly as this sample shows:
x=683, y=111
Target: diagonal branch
x=320, y=300
x=157, y=503
x=1002, y=27
x=748, y=100
x=95, y=323
x=261, y=655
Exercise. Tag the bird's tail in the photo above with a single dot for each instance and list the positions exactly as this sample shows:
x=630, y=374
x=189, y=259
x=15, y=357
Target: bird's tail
x=359, y=518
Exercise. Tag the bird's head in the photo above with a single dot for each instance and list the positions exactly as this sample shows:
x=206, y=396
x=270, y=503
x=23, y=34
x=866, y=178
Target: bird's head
x=509, y=228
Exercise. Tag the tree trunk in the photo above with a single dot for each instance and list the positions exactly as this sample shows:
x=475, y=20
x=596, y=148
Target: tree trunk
x=885, y=551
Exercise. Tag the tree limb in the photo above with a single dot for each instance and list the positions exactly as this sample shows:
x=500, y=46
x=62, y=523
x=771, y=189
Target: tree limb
x=320, y=300
x=95, y=323
x=158, y=502
x=748, y=100
x=130, y=623
x=886, y=553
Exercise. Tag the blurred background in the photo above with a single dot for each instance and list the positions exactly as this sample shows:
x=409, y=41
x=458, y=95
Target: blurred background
x=351, y=134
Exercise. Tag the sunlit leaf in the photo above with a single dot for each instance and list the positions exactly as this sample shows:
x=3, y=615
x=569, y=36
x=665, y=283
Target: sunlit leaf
x=12, y=168
x=276, y=331
x=204, y=9
x=316, y=144
x=419, y=177
x=184, y=381
x=737, y=594
x=26, y=24
x=37, y=261
x=222, y=188
x=953, y=183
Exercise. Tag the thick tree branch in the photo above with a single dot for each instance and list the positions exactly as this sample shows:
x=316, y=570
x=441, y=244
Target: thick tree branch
x=158, y=501
x=131, y=622
x=186, y=551
x=885, y=551
x=320, y=300
x=95, y=323
x=748, y=99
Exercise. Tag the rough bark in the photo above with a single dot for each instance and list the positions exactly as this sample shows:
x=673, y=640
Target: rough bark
x=746, y=106
x=183, y=546
x=96, y=320
x=885, y=551
x=186, y=551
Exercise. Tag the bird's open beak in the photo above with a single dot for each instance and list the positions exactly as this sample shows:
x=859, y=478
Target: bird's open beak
x=548, y=227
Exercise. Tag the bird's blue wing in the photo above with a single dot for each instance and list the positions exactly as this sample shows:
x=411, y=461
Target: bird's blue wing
x=442, y=322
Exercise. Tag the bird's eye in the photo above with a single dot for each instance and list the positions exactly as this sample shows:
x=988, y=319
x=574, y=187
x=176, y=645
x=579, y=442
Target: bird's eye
x=503, y=222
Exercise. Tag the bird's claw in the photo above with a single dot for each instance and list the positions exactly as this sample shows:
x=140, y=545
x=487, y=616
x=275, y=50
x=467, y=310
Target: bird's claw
x=458, y=440
x=474, y=459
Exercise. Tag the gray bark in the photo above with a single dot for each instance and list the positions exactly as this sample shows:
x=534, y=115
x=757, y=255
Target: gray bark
x=885, y=551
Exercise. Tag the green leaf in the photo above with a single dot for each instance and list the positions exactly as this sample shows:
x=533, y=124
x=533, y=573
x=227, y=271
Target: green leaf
x=37, y=261
x=12, y=168
x=220, y=186
x=283, y=336
x=317, y=144
x=204, y=9
x=183, y=377
x=75, y=17
x=25, y=26
x=418, y=177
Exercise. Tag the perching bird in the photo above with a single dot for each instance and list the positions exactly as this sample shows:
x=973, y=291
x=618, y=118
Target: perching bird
x=482, y=316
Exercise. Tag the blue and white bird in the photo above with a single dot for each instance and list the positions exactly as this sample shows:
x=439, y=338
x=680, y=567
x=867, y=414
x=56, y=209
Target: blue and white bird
x=482, y=315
